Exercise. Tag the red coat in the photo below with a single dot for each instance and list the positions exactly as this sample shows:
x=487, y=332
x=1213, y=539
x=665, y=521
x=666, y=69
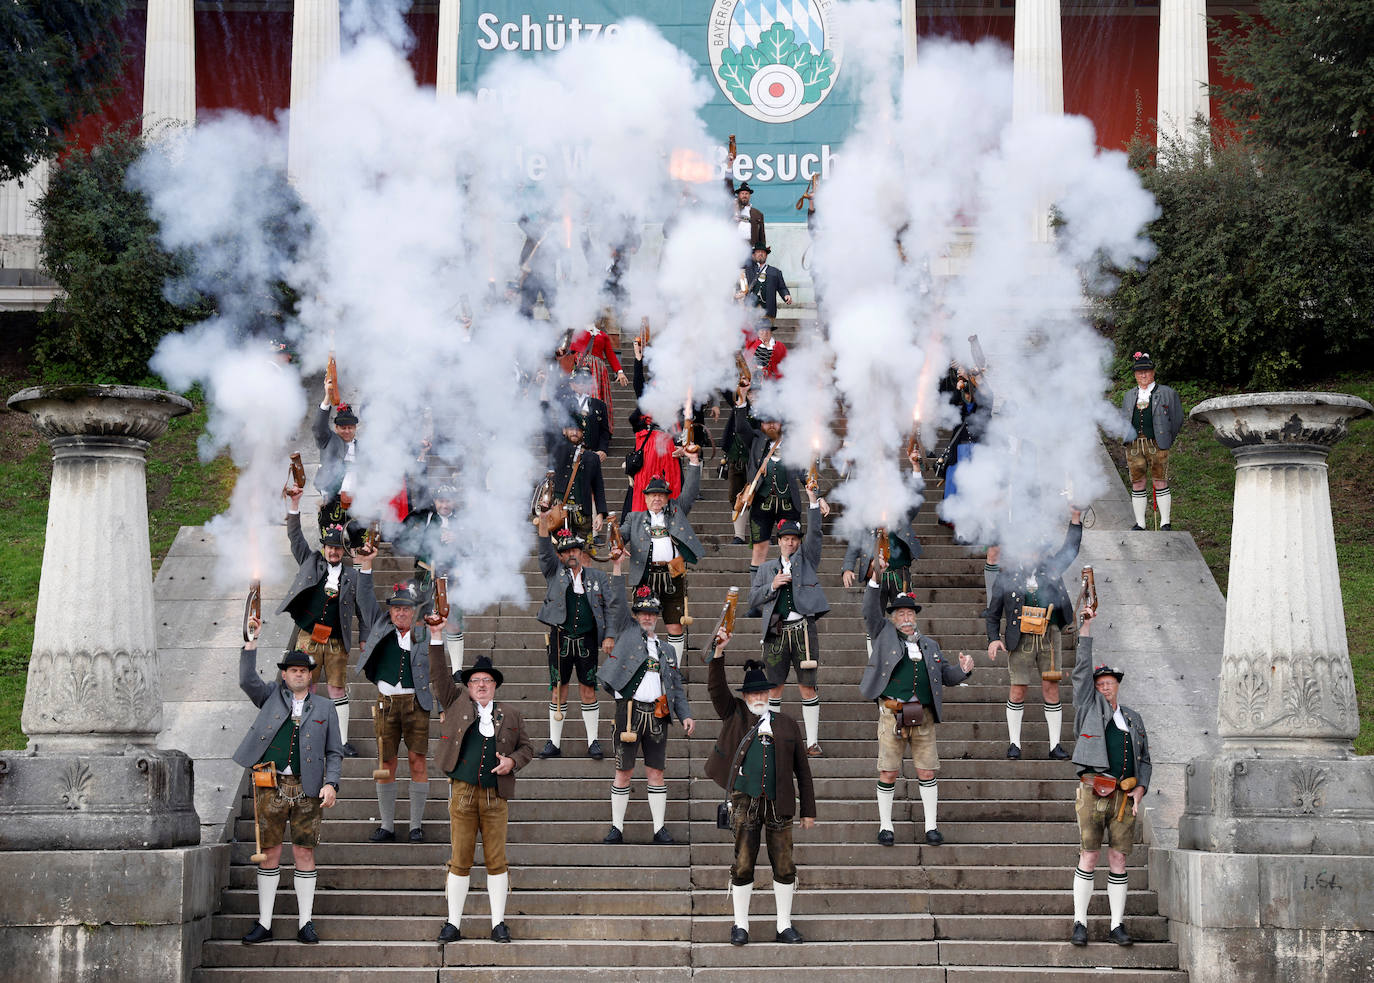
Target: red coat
x=658, y=463
x=600, y=345
x=771, y=370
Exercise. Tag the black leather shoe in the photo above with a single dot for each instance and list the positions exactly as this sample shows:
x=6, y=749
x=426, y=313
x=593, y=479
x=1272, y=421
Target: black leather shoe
x=307, y=934
x=1014, y=752
x=790, y=935
x=738, y=936
x=594, y=751
x=886, y=837
x=614, y=836
x=933, y=837
x=417, y=835
x=1080, y=934
x=349, y=751
x=663, y=836
x=449, y=933
x=1135, y=528
x=1167, y=527
x=550, y=751
x=738, y=542
x=257, y=934
x=1120, y=936
x=499, y=933
x=1058, y=753
x=380, y=835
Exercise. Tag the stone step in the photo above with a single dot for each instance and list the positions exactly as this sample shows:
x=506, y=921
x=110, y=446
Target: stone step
x=984, y=952
x=708, y=955
x=231, y=952
x=868, y=927
x=556, y=955
x=582, y=926
x=1039, y=928
x=298, y=974
x=1060, y=974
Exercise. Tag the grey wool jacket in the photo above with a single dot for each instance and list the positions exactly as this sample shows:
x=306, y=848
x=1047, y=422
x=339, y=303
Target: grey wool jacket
x=630, y=652
x=889, y=650
x=320, y=744
x=859, y=553
x=381, y=627
x=1091, y=713
x=604, y=597
x=313, y=570
x=330, y=475
x=1165, y=409
x=635, y=527
x=807, y=596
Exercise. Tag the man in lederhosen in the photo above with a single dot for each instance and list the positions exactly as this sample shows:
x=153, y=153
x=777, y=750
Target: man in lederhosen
x=662, y=544
x=779, y=492
x=904, y=549
x=1113, y=756
x=482, y=744
x=322, y=601
x=1030, y=595
x=787, y=594
x=906, y=667
x=1155, y=416
x=581, y=610
x=764, y=779
x=648, y=691
x=336, y=478
x=571, y=462
x=432, y=535
x=298, y=734
x=396, y=660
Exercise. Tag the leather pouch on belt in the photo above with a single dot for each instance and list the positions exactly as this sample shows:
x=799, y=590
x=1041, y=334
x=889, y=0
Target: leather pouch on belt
x=1035, y=621
x=677, y=566
x=320, y=634
x=661, y=706
x=265, y=775
x=912, y=714
x=1103, y=785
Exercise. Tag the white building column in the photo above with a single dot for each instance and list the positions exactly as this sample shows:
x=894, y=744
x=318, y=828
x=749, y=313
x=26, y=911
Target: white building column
x=908, y=34
x=16, y=202
x=1037, y=76
x=1183, y=74
x=446, y=73
x=169, y=71
x=314, y=45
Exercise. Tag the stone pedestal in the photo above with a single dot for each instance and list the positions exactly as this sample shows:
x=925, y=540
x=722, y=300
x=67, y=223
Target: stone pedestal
x=92, y=777
x=1274, y=878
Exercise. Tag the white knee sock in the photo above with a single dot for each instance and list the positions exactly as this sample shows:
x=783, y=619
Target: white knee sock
x=741, y=526
x=886, y=793
x=658, y=804
x=555, y=725
x=341, y=707
x=456, y=890
x=678, y=643
x=811, y=717
x=419, y=795
x=930, y=796
x=1014, y=713
x=498, y=886
x=591, y=719
x=1054, y=720
x=774, y=704
x=782, y=897
x=453, y=645
x=740, y=894
x=1165, y=498
x=304, y=882
x=620, y=798
x=1116, y=897
x=1139, y=503
x=267, y=895
x=1082, y=894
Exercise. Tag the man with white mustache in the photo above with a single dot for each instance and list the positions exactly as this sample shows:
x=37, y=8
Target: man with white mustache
x=761, y=760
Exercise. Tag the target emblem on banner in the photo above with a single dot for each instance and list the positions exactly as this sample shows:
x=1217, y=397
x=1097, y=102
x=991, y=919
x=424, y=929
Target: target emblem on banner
x=776, y=60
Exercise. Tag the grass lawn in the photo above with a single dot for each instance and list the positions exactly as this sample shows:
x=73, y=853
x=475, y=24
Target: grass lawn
x=181, y=491
x=1202, y=475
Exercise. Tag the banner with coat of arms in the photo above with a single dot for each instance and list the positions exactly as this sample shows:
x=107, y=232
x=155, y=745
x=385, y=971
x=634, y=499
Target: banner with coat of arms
x=775, y=65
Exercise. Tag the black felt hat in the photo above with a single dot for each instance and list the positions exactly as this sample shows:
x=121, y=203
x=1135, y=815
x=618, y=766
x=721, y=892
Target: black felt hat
x=403, y=595
x=1142, y=362
x=788, y=527
x=345, y=417
x=755, y=679
x=296, y=660
x=1106, y=670
x=645, y=601
x=332, y=535
x=903, y=600
x=566, y=539
x=758, y=245
x=658, y=486
x=744, y=187
x=483, y=664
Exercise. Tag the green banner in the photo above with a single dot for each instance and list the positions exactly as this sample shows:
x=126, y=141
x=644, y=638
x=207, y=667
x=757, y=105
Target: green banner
x=773, y=66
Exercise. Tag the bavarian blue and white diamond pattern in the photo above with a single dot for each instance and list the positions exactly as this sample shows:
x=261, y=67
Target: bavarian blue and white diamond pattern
x=751, y=18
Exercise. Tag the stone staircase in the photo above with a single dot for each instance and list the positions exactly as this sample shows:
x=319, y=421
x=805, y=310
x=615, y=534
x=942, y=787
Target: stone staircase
x=992, y=902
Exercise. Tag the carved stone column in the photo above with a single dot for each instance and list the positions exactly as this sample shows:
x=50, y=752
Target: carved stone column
x=446, y=70
x=314, y=45
x=1182, y=67
x=169, y=71
x=1038, y=77
x=93, y=777
x=1287, y=779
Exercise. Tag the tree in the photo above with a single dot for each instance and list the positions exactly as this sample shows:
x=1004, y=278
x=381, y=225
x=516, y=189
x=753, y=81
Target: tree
x=100, y=245
x=58, y=61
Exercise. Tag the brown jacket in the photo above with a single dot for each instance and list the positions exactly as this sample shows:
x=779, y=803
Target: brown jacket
x=758, y=235
x=460, y=714
x=791, y=756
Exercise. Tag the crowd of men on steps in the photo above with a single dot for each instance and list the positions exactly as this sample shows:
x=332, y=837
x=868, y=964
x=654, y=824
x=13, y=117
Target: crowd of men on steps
x=623, y=633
